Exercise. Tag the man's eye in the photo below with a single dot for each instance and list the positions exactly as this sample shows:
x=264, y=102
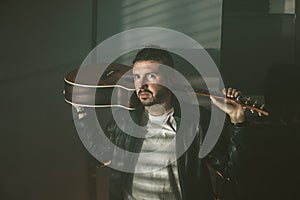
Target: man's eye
x=152, y=75
x=135, y=76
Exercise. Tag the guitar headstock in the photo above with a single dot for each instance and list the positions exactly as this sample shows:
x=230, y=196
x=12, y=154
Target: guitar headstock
x=252, y=105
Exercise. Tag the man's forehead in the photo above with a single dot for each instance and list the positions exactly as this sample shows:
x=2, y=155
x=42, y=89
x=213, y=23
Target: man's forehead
x=146, y=66
x=149, y=63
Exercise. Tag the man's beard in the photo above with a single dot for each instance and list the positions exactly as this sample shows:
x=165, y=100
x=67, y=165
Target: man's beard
x=158, y=99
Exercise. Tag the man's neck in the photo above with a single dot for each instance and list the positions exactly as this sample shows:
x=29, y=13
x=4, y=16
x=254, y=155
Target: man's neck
x=158, y=109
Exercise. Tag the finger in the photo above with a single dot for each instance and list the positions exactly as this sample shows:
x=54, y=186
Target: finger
x=224, y=91
x=229, y=92
x=78, y=108
x=233, y=91
x=236, y=94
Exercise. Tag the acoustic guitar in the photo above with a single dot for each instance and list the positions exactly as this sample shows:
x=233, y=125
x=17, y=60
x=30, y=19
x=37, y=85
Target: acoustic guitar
x=115, y=88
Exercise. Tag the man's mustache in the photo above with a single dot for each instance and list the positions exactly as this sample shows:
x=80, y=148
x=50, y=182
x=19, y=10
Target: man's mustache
x=144, y=90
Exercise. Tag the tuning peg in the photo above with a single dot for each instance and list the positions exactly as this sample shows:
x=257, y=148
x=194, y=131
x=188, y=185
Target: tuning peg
x=262, y=106
x=252, y=111
x=254, y=104
x=247, y=99
x=259, y=114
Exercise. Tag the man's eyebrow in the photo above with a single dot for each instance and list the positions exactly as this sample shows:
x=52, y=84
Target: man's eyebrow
x=146, y=73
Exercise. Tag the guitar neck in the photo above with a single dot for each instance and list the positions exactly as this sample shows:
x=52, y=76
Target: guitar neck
x=246, y=102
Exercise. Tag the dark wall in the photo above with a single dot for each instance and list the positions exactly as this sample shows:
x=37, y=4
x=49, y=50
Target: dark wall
x=260, y=56
x=252, y=41
x=297, y=33
x=41, y=155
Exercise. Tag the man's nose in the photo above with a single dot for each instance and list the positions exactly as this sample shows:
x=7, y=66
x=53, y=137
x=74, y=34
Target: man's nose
x=144, y=86
x=143, y=83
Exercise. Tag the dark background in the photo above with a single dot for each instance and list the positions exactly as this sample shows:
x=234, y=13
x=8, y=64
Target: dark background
x=41, y=156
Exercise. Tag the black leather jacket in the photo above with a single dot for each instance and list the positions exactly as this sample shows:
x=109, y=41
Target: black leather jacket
x=193, y=173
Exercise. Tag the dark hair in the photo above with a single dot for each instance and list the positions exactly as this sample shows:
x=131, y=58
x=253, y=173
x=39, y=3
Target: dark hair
x=154, y=54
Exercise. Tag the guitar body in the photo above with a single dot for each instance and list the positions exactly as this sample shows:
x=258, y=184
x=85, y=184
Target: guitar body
x=114, y=88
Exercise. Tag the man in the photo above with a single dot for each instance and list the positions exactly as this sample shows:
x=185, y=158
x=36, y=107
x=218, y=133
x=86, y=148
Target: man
x=167, y=175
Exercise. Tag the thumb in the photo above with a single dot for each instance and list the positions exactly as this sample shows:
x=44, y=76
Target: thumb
x=217, y=103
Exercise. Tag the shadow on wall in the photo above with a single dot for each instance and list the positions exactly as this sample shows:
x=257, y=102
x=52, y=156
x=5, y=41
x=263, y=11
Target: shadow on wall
x=273, y=144
x=282, y=86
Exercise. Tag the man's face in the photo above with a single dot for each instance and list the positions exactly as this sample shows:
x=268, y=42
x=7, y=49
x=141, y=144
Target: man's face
x=149, y=81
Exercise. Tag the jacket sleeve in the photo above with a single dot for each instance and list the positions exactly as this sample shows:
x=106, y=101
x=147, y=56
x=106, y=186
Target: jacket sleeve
x=95, y=139
x=229, y=154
